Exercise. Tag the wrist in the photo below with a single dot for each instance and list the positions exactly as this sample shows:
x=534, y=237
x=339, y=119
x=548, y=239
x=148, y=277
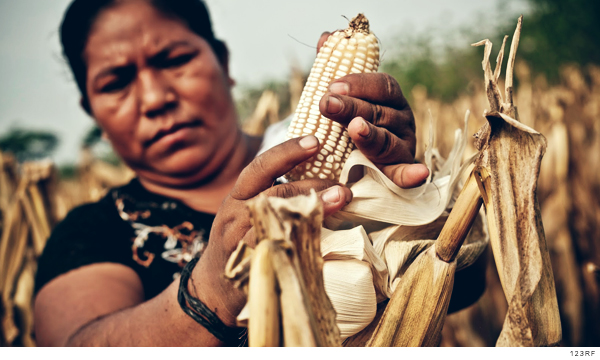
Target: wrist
x=207, y=284
x=202, y=314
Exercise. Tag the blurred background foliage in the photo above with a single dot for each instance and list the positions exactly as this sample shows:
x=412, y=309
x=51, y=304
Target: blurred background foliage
x=560, y=32
x=28, y=145
x=556, y=33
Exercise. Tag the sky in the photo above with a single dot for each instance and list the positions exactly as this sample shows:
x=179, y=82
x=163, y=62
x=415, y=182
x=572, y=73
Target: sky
x=264, y=37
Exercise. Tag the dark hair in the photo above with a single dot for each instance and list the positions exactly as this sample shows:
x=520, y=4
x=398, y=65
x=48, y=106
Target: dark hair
x=81, y=14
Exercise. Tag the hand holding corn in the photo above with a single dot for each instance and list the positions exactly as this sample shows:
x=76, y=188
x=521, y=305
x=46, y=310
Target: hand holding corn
x=232, y=222
x=371, y=107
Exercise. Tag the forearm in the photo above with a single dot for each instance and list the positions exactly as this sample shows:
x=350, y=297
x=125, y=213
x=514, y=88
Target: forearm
x=156, y=322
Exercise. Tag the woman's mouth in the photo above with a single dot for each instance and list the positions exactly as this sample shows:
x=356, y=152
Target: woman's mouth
x=174, y=134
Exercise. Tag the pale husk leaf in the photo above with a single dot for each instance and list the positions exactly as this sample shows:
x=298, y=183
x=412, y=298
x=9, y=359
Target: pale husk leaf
x=349, y=285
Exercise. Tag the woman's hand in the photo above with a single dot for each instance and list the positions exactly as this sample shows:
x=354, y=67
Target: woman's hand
x=379, y=121
x=232, y=223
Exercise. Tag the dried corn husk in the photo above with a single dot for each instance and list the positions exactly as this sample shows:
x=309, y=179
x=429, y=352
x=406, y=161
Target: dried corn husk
x=266, y=113
x=301, y=218
x=555, y=210
x=13, y=246
x=288, y=231
x=7, y=180
x=398, y=237
x=25, y=228
x=416, y=312
x=509, y=165
x=263, y=299
x=376, y=199
x=351, y=263
x=354, y=244
x=416, y=319
x=349, y=285
x=23, y=299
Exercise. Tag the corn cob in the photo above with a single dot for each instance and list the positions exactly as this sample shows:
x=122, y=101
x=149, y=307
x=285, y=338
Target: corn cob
x=350, y=51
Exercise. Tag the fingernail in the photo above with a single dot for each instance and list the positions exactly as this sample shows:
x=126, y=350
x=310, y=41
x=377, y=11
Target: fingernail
x=309, y=142
x=364, y=129
x=334, y=105
x=340, y=88
x=332, y=195
x=348, y=194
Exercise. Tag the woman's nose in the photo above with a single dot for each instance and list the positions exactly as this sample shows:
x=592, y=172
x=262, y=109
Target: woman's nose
x=156, y=95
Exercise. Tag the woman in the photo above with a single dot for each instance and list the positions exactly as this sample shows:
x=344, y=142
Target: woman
x=156, y=81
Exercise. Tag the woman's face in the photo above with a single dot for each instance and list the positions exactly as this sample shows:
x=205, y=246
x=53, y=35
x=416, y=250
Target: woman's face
x=160, y=94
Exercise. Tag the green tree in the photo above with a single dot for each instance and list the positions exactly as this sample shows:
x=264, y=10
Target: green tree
x=29, y=144
x=557, y=32
x=446, y=72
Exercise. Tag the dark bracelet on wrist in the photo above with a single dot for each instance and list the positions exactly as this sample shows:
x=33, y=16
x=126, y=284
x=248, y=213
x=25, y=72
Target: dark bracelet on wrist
x=196, y=309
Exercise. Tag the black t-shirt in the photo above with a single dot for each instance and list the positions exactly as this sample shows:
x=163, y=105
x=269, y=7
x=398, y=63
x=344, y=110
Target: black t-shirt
x=154, y=235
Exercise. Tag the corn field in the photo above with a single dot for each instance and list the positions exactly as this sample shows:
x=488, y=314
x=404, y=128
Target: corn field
x=568, y=115
x=33, y=199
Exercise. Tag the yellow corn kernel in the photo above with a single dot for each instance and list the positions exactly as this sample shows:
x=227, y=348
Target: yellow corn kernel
x=350, y=51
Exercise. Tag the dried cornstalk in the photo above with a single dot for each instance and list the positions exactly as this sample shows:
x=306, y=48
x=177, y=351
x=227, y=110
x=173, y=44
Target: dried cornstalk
x=23, y=297
x=286, y=268
x=36, y=217
x=7, y=180
x=13, y=245
x=416, y=312
x=508, y=168
x=555, y=216
x=266, y=113
x=297, y=319
x=263, y=298
x=26, y=226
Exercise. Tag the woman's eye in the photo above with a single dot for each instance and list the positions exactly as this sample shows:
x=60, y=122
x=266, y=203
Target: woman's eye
x=114, y=85
x=178, y=60
x=119, y=80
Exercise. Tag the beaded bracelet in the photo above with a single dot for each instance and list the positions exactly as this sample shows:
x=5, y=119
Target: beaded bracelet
x=203, y=315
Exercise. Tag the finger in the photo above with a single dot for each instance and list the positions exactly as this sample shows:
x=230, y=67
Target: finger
x=333, y=197
x=343, y=109
x=250, y=238
x=407, y=175
x=379, y=88
x=264, y=169
x=301, y=187
x=322, y=40
x=380, y=145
